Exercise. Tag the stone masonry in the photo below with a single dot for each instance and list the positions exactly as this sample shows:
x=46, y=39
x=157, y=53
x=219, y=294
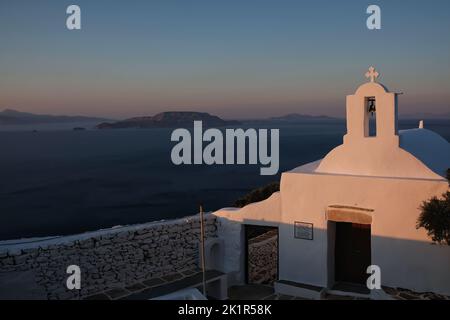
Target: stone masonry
x=108, y=258
x=262, y=258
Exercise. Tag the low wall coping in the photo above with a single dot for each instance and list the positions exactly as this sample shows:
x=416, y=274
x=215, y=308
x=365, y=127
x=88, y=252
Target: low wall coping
x=16, y=245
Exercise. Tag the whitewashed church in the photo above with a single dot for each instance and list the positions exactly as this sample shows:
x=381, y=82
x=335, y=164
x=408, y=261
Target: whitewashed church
x=356, y=207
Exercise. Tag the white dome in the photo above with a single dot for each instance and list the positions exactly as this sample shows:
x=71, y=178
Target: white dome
x=428, y=147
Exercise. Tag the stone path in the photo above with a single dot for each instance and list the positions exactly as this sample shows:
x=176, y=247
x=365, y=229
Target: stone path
x=155, y=287
x=141, y=290
x=405, y=294
x=259, y=292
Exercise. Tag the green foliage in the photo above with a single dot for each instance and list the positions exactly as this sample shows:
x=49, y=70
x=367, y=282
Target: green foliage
x=257, y=195
x=435, y=218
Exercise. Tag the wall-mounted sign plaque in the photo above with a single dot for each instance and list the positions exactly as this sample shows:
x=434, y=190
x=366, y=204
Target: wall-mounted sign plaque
x=303, y=230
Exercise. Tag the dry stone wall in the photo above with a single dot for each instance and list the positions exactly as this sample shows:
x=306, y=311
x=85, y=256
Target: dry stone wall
x=262, y=258
x=107, y=258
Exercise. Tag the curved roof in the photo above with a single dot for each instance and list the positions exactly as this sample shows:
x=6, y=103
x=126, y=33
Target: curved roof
x=427, y=146
x=374, y=87
x=418, y=153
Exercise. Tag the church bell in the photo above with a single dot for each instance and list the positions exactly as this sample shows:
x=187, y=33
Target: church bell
x=371, y=106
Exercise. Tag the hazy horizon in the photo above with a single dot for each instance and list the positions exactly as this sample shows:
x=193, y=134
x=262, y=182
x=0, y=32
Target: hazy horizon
x=234, y=59
x=341, y=117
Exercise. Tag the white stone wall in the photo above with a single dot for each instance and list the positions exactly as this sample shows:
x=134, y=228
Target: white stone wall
x=406, y=256
x=108, y=258
x=230, y=230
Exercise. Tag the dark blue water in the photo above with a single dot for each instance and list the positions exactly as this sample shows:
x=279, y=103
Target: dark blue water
x=63, y=182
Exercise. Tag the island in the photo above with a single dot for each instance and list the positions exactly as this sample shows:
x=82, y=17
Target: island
x=171, y=119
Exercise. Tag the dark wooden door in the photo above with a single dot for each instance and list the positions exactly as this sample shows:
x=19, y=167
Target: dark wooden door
x=352, y=252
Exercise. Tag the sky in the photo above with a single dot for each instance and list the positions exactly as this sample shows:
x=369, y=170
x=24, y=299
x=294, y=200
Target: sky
x=232, y=58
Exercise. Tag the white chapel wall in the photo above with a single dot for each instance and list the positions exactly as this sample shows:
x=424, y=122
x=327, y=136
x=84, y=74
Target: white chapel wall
x=403, y=252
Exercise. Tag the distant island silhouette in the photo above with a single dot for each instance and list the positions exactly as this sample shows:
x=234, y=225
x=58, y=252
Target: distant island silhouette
x=293, y=117
x=172, y=119
x=168, y=120
x=14, y=117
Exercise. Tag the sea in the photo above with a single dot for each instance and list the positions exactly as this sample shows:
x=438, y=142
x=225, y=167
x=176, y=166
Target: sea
x=58, y=181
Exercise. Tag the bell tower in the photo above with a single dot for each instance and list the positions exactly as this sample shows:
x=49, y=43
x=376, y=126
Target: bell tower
x=372, y=145
x=372, y=113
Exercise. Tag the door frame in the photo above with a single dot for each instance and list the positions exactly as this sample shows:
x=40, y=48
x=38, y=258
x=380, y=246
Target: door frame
x=343, y=213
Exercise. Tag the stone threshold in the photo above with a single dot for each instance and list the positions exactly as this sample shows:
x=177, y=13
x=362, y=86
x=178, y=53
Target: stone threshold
x=349, y=289
x=296, y=289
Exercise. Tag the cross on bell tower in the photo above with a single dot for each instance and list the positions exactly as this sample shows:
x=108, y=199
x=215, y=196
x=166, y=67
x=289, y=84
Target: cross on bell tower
x=372, y=74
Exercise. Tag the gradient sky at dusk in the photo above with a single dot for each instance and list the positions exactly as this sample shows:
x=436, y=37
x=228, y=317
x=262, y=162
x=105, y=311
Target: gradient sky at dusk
x=233, y=58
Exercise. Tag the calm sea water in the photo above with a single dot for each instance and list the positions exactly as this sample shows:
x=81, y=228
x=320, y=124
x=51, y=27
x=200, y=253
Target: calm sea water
x=60, y=182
